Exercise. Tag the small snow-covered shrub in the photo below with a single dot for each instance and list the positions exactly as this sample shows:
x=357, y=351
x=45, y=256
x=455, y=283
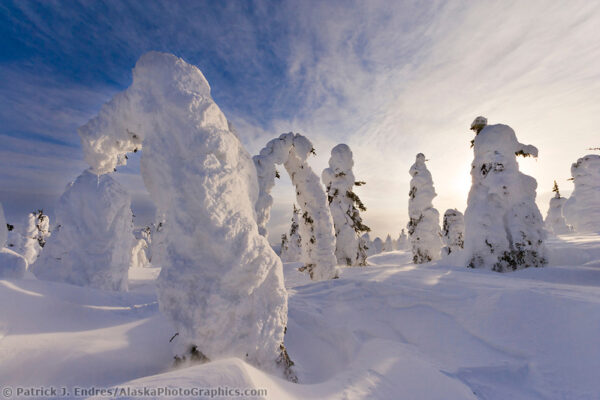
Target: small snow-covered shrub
x=504, y=229
x=555, y=221
x=345, y=207
x=453, y=231
x=424, y=224
x=93, y=245
x=582, y=210
x=291, y=248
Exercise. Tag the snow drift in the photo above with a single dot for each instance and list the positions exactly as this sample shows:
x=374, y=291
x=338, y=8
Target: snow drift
x=582, y=210
x=91, y=245
x=221, y=284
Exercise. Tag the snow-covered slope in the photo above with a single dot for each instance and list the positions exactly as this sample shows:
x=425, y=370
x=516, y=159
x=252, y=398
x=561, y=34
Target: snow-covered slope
x=389, y=331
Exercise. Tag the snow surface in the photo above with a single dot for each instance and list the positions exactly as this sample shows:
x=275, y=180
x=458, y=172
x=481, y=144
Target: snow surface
x=93, y=245
x=504, y=229
x=316, y=223
x=393, y=330
x=221, y=284
x=582, y=210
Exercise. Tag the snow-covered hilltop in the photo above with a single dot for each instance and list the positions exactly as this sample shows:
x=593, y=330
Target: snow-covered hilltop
x=582, y=209
x=504, y=229
x=221, y=284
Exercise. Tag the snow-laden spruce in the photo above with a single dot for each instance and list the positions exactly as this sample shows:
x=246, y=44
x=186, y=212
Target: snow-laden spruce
x=424, y=224
x=504, y=229
x=555, y=221
x=345, y=207
x=402, y=241
x=30, y=236
x=12, y=264
x=388, y=245
x=453, y=231
x=139, y=255
x=291, y=250
x=221, y=284
x=316, y=224
x=376, y=246
x=92, y=246
x=582, y=210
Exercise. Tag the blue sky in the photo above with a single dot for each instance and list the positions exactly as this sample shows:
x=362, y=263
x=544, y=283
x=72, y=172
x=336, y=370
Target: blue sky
x=390, y=78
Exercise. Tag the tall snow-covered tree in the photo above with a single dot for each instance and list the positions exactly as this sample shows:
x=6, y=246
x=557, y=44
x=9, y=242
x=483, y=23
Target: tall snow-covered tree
x=555, y=221
x=12, y=265
x=316, y=223
x=582, y=209
x=93, y=245
x=293, y=247
x=424, y=224
x=221, y=283
x=388, y=245
x=504, y=229
x=453, y=231
x=402, y=241
x=377, y=245
x=345, y=207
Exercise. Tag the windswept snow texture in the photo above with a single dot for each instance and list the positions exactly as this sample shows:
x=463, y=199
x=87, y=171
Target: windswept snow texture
x=504, y=229
x=555, y=221
x=316, y=224
x=582, y=210
x=339, y=181
x=221, y=284
x=391, y=331
x=453, y=231
x=424, y=224
x=93, y=245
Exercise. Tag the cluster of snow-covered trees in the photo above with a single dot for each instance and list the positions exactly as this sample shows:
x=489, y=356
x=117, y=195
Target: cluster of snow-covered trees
x=221, y=284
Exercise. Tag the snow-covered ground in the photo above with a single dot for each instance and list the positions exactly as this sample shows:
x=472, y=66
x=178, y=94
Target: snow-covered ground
x=389, y=331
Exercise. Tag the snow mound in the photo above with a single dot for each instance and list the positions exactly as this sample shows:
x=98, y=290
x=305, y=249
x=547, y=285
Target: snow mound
x=12, y=264
x=91, y=245
x=582, y=210
x=221, y=284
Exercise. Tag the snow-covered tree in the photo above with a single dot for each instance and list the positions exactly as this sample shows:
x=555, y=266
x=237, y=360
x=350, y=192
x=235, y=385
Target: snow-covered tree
x=316, y=224
x=139, y=255
x=221, y=283
x=424, y=224
x=453, y=231
x=377, y=246
x=402, y=241
x=12, y=265
x=93, y=245
x=293, y=245
x=555, y=222
x=504, y=229
x=582, y=210
x=30, y=237
x=345, y=207
x=388, y=245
